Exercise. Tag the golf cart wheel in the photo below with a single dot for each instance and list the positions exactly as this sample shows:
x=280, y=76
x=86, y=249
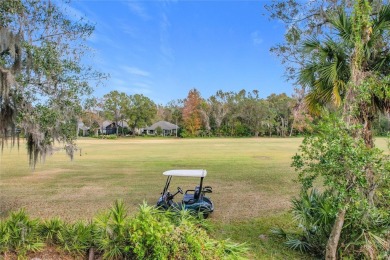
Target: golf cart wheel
x=204, y=212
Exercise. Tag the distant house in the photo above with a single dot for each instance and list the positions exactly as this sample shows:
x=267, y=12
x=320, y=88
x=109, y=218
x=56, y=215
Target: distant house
x=109, y=127
x=166, y=127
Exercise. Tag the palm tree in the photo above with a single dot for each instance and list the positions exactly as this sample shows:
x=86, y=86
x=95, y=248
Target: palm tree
x=328, y=77
x=354, y=61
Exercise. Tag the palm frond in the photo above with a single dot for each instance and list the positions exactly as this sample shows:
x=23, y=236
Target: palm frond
x=336, y=93
x=329, y=73
x=279, y=232
x=314, y=106
x=298, y=244
x=306, y=76
x=311, y=44
x=383, y=17
x=342, y=24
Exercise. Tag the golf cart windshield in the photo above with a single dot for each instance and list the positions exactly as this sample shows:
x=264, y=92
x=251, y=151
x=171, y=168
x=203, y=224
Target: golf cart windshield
x=186, y=173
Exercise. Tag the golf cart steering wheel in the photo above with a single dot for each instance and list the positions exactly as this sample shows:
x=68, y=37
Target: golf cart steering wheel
x=180, y=190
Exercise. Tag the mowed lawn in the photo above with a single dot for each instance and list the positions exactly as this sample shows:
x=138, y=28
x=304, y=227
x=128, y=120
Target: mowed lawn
x=252, y=181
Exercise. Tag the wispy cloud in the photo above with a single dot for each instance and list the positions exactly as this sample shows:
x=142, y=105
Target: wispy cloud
x=129, y=30
x=143, y=85
x=126, y=86
x=137, y=9
x=136, y=71
x=256, y=38
x=165, y=47
x=131, y=80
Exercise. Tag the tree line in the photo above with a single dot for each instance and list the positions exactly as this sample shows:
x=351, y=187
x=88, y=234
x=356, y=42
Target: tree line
x=223, y=114
x=229, y=114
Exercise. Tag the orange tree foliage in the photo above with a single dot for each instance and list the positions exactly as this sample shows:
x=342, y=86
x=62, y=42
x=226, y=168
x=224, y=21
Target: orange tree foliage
x=192, y=117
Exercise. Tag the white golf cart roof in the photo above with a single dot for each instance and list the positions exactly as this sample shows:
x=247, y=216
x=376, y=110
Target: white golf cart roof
x=186, y=173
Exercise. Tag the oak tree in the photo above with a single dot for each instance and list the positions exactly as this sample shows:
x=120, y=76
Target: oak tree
x=42, y=77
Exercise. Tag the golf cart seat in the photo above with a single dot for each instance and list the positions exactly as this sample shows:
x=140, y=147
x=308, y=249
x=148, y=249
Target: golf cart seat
x=191, y=197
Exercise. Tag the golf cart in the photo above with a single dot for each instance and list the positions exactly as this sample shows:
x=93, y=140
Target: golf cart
x=193, y=200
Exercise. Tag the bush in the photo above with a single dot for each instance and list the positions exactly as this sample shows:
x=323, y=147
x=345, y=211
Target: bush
x=343, y=163
x=150, y=234
x=113, y=232
x=49, y=230
x=111, y=137
x=76, y=238
x=315, y=214
x=19, y=234
x=159, y=130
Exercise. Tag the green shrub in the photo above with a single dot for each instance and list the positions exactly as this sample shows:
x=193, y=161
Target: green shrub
x=150, y=234
x=177, y=235
x=315, y=214
x=150, y=231
x=76, y=238
x=343, y=164
x=20, y=234
x=49, y=230
x=112, y=234
x=159, y=130
x=110, y=137
x=3, y=237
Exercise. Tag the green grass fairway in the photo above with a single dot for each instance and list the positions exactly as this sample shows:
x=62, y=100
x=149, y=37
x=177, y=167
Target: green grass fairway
x=251, y=178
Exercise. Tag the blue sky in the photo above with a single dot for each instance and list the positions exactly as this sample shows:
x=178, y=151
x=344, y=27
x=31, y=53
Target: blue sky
x=162, y=49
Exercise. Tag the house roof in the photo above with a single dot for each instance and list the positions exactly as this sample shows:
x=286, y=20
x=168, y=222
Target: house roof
x=120, y=123
x=106, y=123
x=164, y=126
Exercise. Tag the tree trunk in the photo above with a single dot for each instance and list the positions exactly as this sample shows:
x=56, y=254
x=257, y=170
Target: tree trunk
x=282, y=128
x=291, y=128
x=366, y=118
x=333, y=241
x=91, y=255
x=78, y=129
x=270, y=130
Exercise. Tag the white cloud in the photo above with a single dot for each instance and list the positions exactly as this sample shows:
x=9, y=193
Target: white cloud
x=129, y=30
x=136, y=71
x=256, y=38
x=165, y=47
x=141, y=85
x=138, y=10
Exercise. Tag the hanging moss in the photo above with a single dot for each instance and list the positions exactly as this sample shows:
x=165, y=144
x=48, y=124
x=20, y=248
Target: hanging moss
x=41, y=80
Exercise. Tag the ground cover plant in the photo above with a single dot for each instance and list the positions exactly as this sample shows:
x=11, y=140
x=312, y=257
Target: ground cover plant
x=252, y=182
x=150, y=234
